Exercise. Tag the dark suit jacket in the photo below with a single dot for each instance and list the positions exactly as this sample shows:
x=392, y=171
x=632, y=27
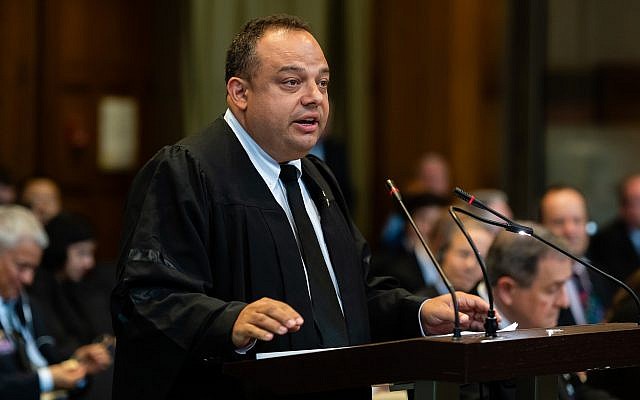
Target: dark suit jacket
x=612, y=251
x=16, y=382
x=204, y=237
x=403, y=266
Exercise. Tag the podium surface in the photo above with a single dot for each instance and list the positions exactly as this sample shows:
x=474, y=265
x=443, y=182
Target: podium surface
x=473, y=358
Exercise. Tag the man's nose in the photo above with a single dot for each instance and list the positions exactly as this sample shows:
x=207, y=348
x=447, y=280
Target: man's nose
x=26, y=277
x=312, y=95
x=563, y=299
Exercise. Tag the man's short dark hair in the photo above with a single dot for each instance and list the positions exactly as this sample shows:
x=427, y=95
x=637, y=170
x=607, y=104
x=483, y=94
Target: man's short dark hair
x=242, y=60
x=517, y=256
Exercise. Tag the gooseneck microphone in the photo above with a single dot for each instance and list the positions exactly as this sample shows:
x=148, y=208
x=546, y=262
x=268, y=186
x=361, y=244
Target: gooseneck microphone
x=393, y=191
x=491, y=322
x=512, y=226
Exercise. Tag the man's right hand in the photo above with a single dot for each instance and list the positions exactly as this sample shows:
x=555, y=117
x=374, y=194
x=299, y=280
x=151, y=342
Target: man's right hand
x=66, y=375
x=262, y=319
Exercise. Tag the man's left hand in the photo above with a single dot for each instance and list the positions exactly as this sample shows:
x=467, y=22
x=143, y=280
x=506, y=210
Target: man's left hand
x=437, y=313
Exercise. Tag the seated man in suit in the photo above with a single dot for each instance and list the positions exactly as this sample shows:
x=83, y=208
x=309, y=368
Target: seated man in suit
x=616, y=247
x=29, y=363
x=410, y=263
x=563, y=210
x=528, y=279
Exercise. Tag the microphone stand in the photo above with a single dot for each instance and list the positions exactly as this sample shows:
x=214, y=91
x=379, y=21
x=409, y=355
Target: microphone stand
x=393, y=191
x=491, y=322
x=512, y=226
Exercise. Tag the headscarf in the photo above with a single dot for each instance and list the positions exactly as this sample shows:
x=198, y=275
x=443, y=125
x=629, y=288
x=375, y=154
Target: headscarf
x=64, y=230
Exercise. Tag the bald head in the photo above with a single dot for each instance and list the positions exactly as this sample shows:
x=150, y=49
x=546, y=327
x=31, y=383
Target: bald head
x=563, y=210
x=630, y=200
x=42, y=196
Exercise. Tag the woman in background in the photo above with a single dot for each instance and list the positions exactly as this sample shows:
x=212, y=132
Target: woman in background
x=72, y=294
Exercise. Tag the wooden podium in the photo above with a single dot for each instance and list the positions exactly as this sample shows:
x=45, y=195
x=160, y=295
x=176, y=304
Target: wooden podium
x=437, y=365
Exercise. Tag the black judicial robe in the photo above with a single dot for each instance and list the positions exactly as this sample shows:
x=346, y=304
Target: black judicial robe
x=203, y=237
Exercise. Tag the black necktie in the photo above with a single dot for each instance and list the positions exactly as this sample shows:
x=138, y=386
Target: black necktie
x=324, y=300
x=21, y=351
x=18, y=340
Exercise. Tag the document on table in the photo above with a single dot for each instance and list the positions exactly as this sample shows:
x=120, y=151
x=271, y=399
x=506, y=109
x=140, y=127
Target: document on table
x=262, y=356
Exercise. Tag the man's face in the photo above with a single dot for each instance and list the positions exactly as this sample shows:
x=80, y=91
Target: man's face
x=564, y=213
x=434, y=175
x=287, y=103
x=17, y=268
x=460, y=264
x=43, y=197
x=538, y=305
x=426, y=219
x=631, y=207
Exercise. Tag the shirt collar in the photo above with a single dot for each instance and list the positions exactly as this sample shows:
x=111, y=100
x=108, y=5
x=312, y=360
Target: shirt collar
x=268, y=168
x=484, y=294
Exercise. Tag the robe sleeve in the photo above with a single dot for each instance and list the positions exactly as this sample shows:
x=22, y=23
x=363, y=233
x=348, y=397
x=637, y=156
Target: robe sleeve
x=165, y=267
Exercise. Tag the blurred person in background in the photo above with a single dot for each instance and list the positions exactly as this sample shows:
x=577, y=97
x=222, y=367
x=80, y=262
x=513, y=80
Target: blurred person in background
x=455, y=255
x=409, y=263
x=73, y=296
x=7, y=187
x=621, y=382
x=495, y=199
x=616, y=248
x=563, y=210
x=432, y=177
x=30, y=364
x=42, y=196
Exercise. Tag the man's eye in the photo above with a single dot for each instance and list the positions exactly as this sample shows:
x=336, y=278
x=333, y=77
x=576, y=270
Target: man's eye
x=291, y=82
x=324, y=83
x=24, y=266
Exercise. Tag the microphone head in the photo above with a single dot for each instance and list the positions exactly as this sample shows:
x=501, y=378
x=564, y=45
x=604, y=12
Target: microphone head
x=390, y=184
x=393, y=190
x=463, y=195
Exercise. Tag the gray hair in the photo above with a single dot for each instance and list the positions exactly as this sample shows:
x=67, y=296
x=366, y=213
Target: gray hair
x=517, y=256
x=19, y=223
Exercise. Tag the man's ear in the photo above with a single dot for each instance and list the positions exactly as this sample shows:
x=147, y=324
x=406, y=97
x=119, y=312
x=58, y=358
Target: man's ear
x=237, y=89
x=504, y=290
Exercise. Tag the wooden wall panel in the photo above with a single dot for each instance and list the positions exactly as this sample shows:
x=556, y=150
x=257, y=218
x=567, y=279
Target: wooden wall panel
x=59, y=58
x=18, y=84
x=90, y=50
x=437, y=76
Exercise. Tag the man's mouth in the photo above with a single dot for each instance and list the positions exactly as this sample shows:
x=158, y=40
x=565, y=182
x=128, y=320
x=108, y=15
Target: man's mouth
x=307, y=121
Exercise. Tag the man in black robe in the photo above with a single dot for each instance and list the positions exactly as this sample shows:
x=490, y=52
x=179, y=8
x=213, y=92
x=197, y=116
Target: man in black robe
x=210, y=267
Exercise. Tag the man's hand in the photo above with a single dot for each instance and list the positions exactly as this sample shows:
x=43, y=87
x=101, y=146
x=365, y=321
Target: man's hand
x=94, y=357
x=66, y=375
x=262, y=319
x=437, y=313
